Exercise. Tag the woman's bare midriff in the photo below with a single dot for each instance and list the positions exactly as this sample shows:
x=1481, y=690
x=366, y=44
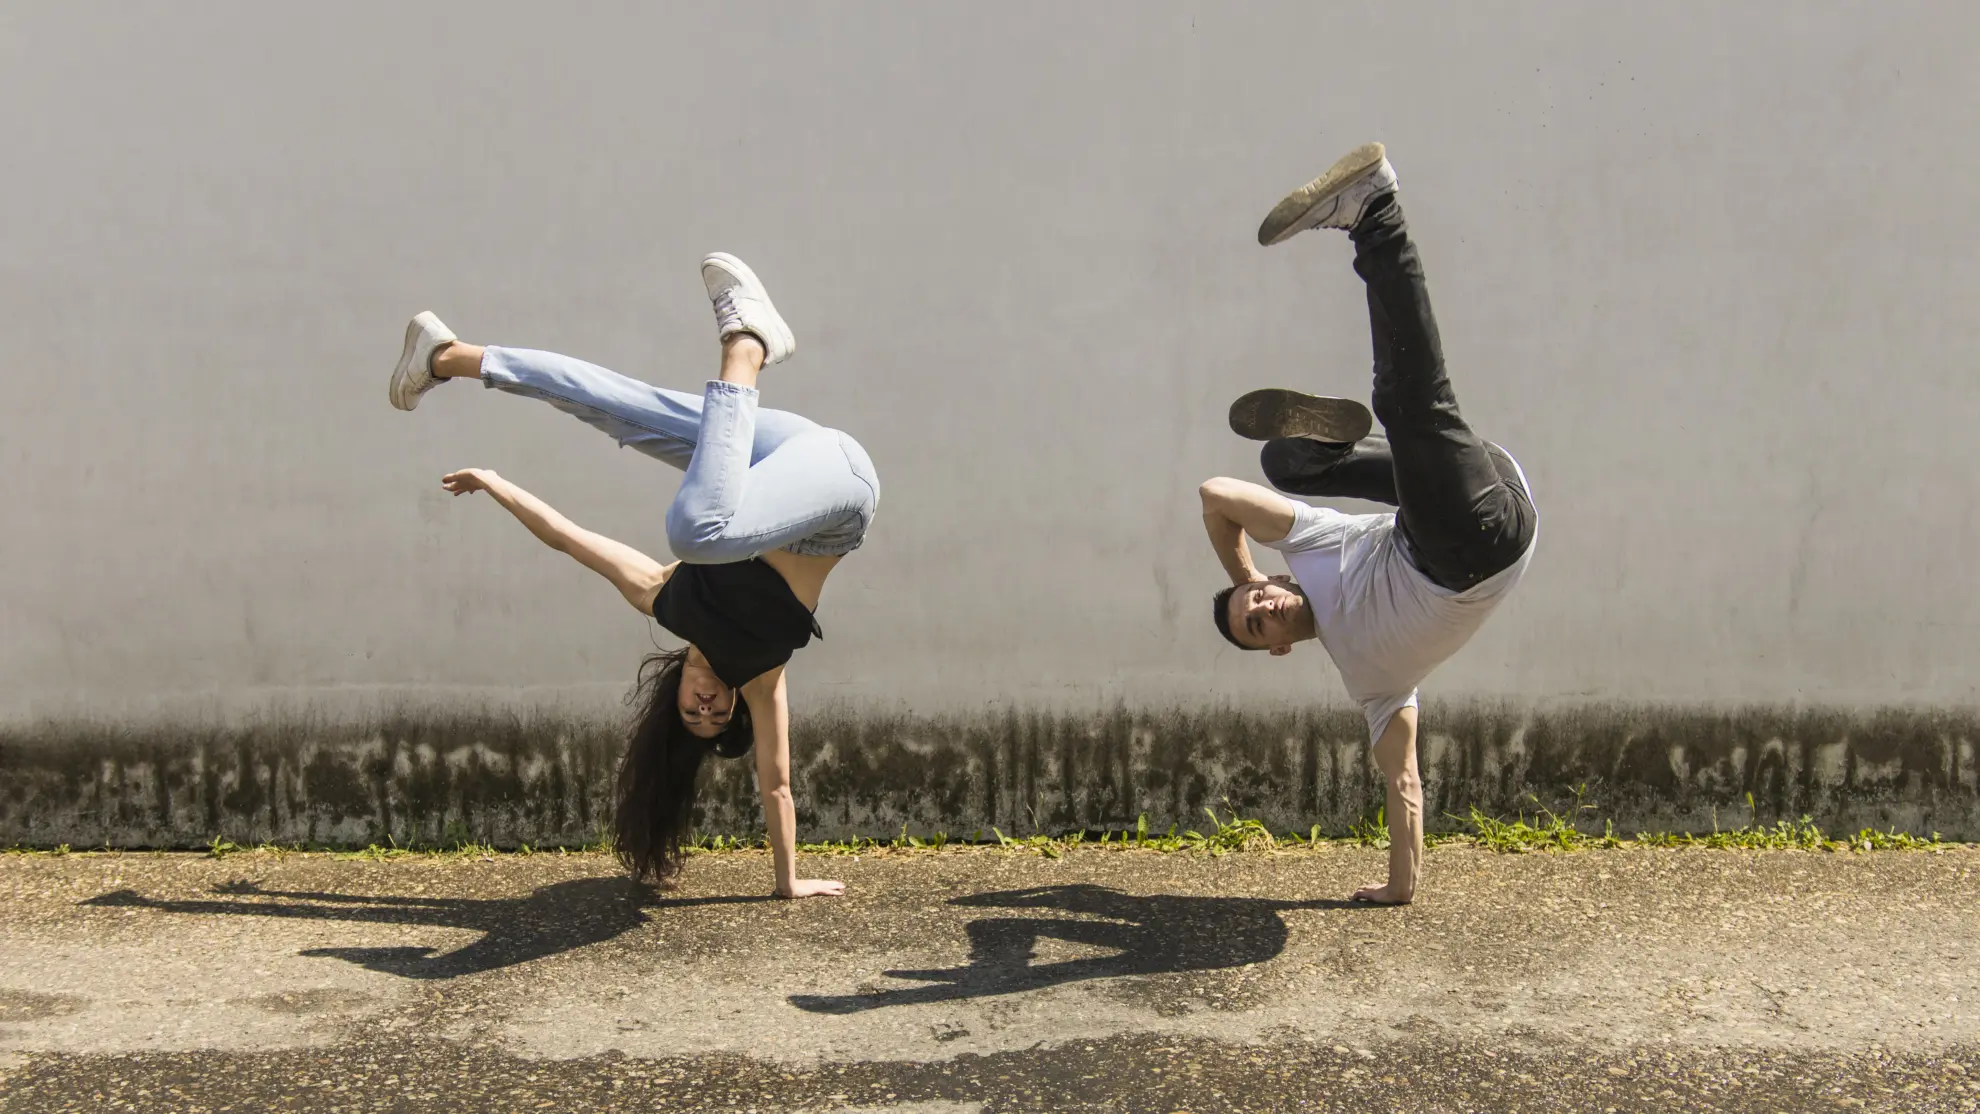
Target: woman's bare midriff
x=806, y=575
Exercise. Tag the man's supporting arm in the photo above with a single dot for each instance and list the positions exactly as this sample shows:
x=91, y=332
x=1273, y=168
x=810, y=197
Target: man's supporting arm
x=1234, y=508
x=1395, y=755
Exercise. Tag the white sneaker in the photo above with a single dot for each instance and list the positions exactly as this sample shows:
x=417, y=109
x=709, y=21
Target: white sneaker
x=1336, y=199
x=414, y=375
x=743, y=306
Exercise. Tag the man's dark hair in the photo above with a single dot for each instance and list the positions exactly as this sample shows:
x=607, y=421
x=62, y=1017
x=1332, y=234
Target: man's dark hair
x=1220, y=609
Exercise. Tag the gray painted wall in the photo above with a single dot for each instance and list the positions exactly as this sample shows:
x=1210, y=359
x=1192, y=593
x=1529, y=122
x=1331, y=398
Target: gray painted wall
x=1708, y=269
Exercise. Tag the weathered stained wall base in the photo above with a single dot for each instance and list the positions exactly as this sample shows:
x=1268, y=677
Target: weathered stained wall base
x=444, y=778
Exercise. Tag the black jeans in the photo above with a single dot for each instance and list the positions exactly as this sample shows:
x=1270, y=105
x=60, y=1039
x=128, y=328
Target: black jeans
x=1462, y=511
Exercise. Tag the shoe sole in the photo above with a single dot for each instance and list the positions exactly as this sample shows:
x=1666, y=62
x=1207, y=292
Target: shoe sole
x=1293, y=214
x=747, y=277
x=396, y=390
x=1276, y=412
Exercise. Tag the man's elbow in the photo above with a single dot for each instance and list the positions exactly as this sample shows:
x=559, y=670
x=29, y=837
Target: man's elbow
x=1408, y=785
x=1216, y=492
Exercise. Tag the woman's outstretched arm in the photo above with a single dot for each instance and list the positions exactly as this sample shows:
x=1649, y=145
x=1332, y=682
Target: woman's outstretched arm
x=636, y=576
x=770, y=715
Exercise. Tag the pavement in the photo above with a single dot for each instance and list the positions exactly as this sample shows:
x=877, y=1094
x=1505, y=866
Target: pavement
x=979, y=981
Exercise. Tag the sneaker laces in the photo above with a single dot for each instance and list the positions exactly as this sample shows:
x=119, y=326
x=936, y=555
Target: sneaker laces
x=728, y=318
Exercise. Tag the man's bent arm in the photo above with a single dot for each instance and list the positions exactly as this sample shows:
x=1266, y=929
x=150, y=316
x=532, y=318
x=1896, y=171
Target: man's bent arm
x=1234, y=508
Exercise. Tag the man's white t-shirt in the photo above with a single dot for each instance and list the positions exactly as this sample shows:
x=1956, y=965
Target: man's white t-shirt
x=1384, y=623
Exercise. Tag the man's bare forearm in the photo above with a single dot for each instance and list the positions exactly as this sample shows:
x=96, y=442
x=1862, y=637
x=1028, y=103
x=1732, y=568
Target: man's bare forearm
x=1233, y=509
x=1405, y=842
x=1228, y=540
x=1395, y=755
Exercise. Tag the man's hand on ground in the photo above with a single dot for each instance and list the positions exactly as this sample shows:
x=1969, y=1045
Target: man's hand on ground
x=1383, y=895
x=814, y=887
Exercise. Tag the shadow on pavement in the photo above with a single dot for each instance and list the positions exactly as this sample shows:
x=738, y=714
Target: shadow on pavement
x=1158, y=934
x=555, y=918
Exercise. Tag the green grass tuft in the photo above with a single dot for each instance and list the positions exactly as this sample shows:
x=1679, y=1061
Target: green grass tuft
x=1541, y=830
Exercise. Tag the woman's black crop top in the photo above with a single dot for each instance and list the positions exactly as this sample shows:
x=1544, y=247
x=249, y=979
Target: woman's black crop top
x=742, y=616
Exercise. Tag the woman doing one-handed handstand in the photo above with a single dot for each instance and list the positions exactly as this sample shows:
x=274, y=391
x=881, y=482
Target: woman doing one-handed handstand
x=769, y=505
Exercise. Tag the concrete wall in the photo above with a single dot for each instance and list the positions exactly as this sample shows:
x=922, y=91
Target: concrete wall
x=1708, y=269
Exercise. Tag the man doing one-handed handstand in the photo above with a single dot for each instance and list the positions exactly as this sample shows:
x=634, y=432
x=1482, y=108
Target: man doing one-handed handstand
x=1389, y=595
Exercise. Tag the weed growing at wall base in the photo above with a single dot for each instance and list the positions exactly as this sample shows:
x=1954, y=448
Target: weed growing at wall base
x=1541, y=831
x=1550, y=831
x=222, y=848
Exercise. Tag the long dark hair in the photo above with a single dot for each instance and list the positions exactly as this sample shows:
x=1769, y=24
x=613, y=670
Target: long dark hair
x=657, y=776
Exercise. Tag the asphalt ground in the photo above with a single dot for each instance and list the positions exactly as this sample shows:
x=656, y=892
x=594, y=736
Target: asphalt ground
x=991, y=980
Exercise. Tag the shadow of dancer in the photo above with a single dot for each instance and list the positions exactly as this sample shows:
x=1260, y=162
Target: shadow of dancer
x=556, y=918
x=1158, y=934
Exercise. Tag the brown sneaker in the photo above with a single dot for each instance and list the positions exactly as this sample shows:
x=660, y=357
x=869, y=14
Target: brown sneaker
x=1278, y=412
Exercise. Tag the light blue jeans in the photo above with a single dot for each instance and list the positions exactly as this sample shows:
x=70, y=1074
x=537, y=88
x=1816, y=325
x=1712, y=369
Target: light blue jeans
x=757, y=480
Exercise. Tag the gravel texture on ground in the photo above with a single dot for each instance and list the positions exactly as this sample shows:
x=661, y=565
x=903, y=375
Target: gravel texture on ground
x=989, y=980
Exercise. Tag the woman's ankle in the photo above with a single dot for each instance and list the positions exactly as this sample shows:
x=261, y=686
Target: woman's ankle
x=456, y=360
x=742, y=359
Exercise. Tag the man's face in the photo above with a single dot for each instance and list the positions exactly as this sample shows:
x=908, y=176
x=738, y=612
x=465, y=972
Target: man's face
x=1268, y=614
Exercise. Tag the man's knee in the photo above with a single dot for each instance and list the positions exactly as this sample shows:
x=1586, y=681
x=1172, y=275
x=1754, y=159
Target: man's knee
x=1297, y=464
x=1399, y=409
